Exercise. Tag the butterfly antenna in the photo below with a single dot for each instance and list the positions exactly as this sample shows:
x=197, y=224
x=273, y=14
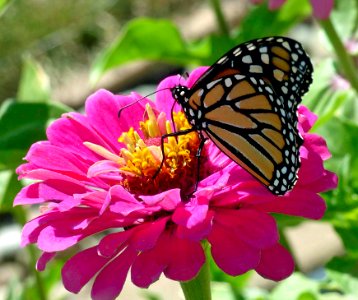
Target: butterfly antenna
x=138, y=100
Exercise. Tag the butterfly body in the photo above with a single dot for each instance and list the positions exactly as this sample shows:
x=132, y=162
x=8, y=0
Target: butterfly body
x=246, y=104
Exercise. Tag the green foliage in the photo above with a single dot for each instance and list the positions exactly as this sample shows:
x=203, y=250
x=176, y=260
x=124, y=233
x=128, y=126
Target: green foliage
x=345, y=18
x=143, y=39
x=255, y=24
x=23, y=123
x=34, y=83
x=28, y=289
x=3, y=4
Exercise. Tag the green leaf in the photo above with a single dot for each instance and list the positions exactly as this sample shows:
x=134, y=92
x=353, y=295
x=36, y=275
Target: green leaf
x=262, y=22
x=3, y=6
x=9, y=187
x=140, y=39
x=321, y=84
x=34, y=82
x=341, y=136
x=344, y=18
x=21, y=125
x=348, y=231
x=346, y=264
x=210, y=49
x=331, y=106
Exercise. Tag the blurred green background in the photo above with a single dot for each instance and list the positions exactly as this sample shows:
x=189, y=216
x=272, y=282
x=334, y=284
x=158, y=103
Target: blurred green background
x=53, y=54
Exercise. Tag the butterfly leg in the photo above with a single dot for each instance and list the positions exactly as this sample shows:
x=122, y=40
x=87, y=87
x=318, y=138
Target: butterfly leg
x=175, y=134
x=198, y=156
x=172, y=116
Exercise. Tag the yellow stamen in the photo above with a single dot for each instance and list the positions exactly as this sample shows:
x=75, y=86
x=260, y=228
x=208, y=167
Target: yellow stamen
x=143, y=156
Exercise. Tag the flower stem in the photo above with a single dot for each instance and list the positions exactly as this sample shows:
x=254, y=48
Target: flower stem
x=41, y=292
x=345, y=60
x=224, y=28
x=199, y=287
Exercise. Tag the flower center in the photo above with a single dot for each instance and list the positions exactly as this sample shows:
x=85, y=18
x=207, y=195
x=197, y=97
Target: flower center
x=142, y=157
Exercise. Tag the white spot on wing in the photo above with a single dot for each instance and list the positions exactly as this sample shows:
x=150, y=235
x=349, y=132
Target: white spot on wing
x=228, y=82
x=222, y=60
x=239, y=77
x=247, y=59
x=265, y=58
x=211, y=84
x=256, y=69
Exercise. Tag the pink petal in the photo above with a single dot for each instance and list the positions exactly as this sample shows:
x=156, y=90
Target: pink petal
x=57, y=231
x=44, y=259
x=298, y=202
x=50, y=239
x=195, y=75
x=146, y=236
x=317, y=144
x=51, y=190
x=306, y=118
x=167, y=200
x=216, y=157
x=147, y=268
x=276, y=263
x=195, y=211
x=114, y=243
x=311, y=169
x=186, y=259
x=198, y=232
x=102, y=110
x=179, y=259
x=110, y=280
x=102, y=166
x=32, y=229
x=255, y=228
x=322, y=8
x=50, y=157
x=123, y=202
x=230, y=253
x=77, y=271
x=328, y=181
x=217, y=180
x=164, y=99
x=29, y=195
x=77, y=129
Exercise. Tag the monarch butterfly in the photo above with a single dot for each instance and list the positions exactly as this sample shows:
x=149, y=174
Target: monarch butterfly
x=246, y=103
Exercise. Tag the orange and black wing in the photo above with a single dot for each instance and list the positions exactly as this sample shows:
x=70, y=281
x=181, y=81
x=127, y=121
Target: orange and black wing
x=246, y=103
x=245, y=119
x=280, y=61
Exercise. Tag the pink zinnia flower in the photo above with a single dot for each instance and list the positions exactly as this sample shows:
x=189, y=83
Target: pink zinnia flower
x=321, y=8
x=88, y=181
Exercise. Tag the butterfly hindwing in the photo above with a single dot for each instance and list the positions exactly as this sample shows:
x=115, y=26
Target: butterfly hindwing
x=248, y=123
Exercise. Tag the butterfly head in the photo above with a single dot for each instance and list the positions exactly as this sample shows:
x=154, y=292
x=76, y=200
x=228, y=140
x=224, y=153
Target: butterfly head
x=179, y=93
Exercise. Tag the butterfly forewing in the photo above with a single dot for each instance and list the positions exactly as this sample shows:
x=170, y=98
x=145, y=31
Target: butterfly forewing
x=246, y=103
